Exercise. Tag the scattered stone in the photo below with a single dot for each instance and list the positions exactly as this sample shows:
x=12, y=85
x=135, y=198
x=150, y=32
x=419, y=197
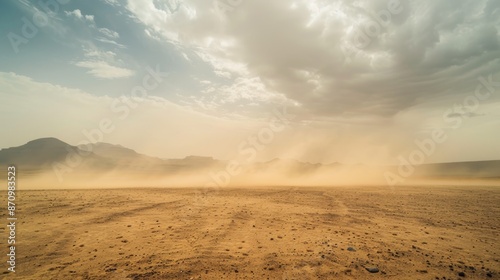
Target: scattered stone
x=489, y=274
x=461, y=274
x=372, y=269
x=351, y=249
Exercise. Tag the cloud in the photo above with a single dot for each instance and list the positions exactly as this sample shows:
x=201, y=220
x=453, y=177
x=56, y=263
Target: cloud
x=340, y=57
x=102, y=69
x=150, y=34
x=108, y=41
x=364, y=83
x=109, y=33
x=40, y=107
x=44, y=19
x=112, y=2
x=78, y=14
x=244, y=91
x=103, y=64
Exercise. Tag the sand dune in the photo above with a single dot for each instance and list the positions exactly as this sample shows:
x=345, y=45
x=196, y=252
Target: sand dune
x=280, y=233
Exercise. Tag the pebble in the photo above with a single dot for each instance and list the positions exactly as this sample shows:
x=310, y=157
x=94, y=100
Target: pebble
x=351, y=249
x=372, y=269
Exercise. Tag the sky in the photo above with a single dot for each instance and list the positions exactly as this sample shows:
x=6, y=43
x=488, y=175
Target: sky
x=320, y=81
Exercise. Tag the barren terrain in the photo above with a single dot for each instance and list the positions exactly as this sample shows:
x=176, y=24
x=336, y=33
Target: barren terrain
x=431, y=232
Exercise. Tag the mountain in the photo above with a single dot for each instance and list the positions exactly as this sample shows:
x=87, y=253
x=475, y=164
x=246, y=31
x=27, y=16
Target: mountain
x=41, y=154
x=128, y=157
x=113, y=151
x=470, y=169
x=194, y=161
x=36, y=153
x=125, y=158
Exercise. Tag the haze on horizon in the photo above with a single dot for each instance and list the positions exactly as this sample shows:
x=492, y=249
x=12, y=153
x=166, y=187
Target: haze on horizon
x=334, y=81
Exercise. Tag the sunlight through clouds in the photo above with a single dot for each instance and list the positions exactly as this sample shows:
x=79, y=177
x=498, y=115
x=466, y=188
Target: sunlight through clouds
x=352, y=68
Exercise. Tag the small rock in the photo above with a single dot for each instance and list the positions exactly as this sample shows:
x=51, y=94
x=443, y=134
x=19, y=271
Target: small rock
x=461, y=274
x=351, y=249
x=372, y=269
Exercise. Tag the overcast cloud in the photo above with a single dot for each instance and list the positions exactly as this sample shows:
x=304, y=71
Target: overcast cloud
x=362, y=77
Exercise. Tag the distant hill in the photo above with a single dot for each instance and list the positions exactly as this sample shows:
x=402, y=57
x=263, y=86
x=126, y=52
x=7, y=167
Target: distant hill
x=113, y=151
x=469, y=169
x=36, y=153
x=41, y=154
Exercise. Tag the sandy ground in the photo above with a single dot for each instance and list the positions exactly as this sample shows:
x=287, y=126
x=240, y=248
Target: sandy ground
x=280, y=233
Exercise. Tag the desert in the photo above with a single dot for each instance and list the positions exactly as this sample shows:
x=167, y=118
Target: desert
x=408, y=232
x=249, y=139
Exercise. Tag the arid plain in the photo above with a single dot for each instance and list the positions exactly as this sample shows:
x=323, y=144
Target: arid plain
x=427, y=232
